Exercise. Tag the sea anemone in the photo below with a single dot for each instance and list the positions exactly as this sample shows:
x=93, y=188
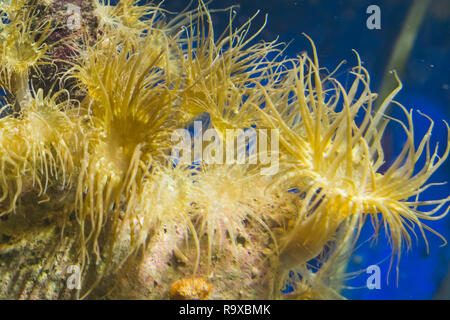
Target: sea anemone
x=142, y=223
x=129, y=107
x=39, y=144
x=219, y=74
x=23, y=46
x=338, y=161
x=127, y=16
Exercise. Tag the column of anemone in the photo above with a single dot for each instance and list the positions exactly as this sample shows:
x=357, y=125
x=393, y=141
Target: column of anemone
x=161, y=222
x=326, y=281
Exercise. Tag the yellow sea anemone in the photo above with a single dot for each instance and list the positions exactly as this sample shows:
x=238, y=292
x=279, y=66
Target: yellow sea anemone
x=23, y=47
x=339, y=160
x=129, y=103
x=39, y=144
x=223, y=211
x=218, y=74
x=127, y=16
x=127, y=205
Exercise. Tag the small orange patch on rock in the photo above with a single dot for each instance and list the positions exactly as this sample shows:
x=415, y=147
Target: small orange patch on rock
x=190, y=289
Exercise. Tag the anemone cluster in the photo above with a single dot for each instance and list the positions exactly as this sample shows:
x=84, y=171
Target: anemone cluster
x=87, y=171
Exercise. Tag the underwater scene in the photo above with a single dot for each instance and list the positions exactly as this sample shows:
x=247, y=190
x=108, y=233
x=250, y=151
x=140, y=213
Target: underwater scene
x=224, y=150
